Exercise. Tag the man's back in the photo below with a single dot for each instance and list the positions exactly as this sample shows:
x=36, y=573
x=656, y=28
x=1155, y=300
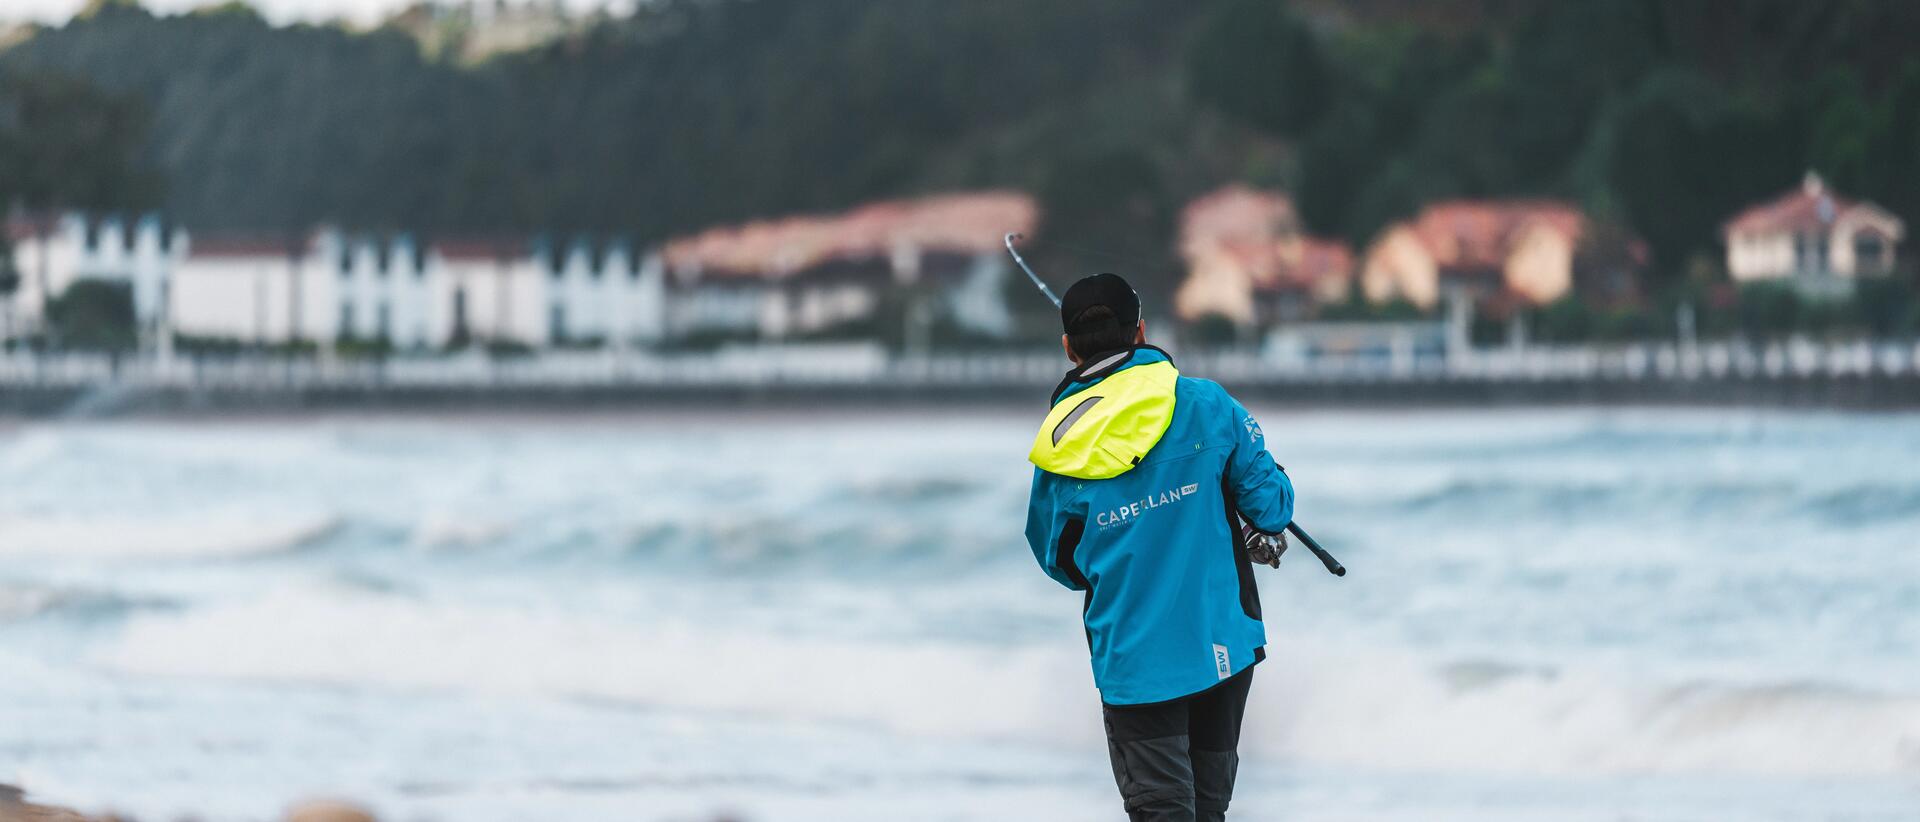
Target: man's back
x=1171, y=605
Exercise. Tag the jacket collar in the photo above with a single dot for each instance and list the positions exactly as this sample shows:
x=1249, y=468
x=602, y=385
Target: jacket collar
x=1100, y=366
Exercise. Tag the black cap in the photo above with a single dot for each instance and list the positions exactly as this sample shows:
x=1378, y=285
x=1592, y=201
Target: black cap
x=1108, y=290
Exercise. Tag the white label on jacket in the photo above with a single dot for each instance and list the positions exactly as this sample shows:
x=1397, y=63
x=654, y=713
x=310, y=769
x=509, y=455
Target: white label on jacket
x=1220, y=664
x=1126, y=514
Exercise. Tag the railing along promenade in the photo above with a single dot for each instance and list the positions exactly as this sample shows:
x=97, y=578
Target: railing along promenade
x=1889, y=370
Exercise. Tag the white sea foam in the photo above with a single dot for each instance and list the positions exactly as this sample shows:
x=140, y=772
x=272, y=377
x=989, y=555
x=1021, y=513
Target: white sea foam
x=1375, y=709
x=1399, y=711
x=448, y=529
x=195, y=535
x=17, y=602
x=31, y=449
x=350, y=637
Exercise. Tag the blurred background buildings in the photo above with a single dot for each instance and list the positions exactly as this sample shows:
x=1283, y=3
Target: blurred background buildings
x=527, y=175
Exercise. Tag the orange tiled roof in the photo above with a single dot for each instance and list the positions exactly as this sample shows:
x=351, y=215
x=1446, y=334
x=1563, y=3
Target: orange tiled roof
x=966, y=222
x=1810, y=207
x=1480, y=233
x=25, y=227
x=1260, y=232
x=1235, y=214
x=1318, y=260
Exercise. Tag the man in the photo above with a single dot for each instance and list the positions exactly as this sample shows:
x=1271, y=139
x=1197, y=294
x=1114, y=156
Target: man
x=1142, y=476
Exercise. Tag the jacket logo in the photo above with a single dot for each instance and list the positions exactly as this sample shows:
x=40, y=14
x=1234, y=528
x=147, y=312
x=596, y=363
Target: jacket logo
x=1133, y=510
x=1221, y=665
x=1253, y=428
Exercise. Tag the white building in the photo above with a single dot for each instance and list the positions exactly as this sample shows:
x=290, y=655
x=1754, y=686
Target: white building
x=330, y=287
x=50, y=255
x=934, y=260
x=1814, y=239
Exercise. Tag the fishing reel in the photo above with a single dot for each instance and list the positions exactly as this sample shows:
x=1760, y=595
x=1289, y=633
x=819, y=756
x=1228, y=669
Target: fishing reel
x=1264, y=548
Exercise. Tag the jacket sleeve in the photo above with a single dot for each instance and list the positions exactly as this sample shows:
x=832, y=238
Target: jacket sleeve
x=1050, y=528
x=1262, y=492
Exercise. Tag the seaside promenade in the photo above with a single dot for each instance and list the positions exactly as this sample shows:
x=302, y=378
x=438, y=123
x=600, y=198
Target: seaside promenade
x=1793, y=373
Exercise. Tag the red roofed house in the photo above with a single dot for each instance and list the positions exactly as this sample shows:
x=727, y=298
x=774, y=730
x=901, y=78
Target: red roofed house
x=1248, y=261
x=1813, y=238
x=1500, y=249
x=805, y=274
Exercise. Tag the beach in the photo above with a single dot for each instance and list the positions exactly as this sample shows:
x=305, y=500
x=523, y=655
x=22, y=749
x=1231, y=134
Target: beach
x=830, y=614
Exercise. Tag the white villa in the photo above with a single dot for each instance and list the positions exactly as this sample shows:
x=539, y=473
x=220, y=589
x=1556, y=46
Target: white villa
x=1814, y=239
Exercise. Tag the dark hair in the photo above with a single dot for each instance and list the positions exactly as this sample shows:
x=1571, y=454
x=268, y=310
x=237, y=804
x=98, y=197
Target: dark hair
x=1097, y=330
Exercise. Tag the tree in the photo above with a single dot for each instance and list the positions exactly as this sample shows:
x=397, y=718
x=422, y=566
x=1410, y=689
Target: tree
x=1110, y=212
x=1254, y=61
x=95, y=315
x=1769, y=310
x=65, y=144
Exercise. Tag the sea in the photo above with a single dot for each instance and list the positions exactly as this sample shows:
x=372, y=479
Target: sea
x=831, y=614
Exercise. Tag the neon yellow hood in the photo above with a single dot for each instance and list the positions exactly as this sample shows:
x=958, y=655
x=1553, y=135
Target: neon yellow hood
x=1104, y=430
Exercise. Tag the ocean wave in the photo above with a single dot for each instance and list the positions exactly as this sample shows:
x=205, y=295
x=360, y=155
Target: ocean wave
x=445, y=529
x=24, y=602
x=1313, y=703
x=1867, y=503
x=206, y=535
x=1508, y=496
x=19, y=602
x=1395, y=711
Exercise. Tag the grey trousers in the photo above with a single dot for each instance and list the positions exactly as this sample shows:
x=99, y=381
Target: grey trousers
x=1175, y=761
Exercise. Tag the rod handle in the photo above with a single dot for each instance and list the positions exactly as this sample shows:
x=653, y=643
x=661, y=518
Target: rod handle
x=1333, y=565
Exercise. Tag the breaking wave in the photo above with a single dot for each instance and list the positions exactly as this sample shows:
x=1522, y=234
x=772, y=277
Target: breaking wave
x=1311, y=704
x=206, y=535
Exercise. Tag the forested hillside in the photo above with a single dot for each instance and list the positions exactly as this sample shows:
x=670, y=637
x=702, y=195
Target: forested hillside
x=1664, y=116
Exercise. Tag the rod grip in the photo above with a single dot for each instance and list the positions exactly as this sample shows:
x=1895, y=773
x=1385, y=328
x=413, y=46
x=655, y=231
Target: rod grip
x=1333, y=565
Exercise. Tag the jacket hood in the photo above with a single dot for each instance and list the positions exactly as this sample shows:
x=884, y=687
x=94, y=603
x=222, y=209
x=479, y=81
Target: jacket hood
x=1107, y=415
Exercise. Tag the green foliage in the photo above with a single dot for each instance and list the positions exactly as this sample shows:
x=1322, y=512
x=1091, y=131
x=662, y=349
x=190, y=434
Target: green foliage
x=1116, y=211
x=64, y=143
x=373, y=349
x=1669, y=117
x=508, y=349
x=1564, y=320
x=1212, y=331
x=94, y=315
x=1256, y=62
x=1357, y=309
x=1885, y=306
x=1769, y=310
x=9, y=273
x=684, y=114
x=193, y=344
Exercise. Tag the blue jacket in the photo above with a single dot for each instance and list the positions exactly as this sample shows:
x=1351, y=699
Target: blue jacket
x=1171, y=608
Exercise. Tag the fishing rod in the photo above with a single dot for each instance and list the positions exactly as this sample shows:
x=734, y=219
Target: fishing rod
x=1333, y=565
